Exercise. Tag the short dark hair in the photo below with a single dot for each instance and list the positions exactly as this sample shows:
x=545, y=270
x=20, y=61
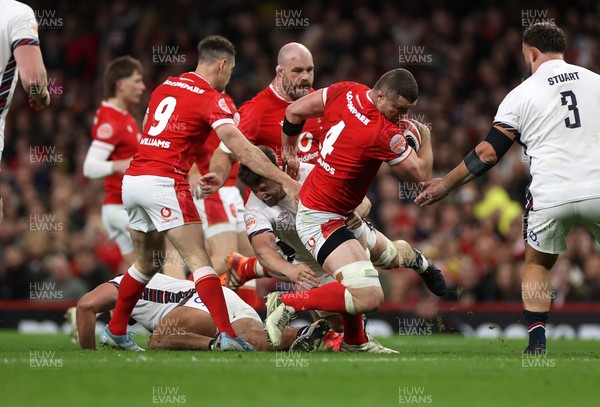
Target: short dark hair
x=249, y=177
x=215, y=47
x=398, y=82
x=117, y=69
x=546, y=37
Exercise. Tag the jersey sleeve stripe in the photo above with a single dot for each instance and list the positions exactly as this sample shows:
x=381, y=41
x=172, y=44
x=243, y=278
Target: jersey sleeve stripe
x=258, y=232
x=508, y=127
x=324, y=96
x=102, y=144
x=404, y=155
x=219, y=122
x=24, y=41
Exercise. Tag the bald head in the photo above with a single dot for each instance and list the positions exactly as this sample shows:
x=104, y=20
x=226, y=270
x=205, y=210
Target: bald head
x=295, y=70
x=291, y=52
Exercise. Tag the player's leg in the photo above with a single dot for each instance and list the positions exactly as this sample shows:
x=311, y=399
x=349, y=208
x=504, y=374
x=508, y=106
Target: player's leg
x=545, y=232
x=184, y=328
x=116, y=223
x=387, y=255
x=137, y=277
x=188, y=240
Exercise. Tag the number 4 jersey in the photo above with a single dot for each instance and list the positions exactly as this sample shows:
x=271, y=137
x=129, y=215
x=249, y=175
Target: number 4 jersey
x=359, y=138
x=555, y=115
x=182, y=111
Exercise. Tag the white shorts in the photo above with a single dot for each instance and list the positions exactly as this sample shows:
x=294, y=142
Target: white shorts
x=236, y=307
x=222, y=212
x=116, y=224
x=157, y=203
x=315, y=227
x=546, y=230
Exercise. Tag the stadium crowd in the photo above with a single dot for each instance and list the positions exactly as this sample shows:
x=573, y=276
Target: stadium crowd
x=465, y=56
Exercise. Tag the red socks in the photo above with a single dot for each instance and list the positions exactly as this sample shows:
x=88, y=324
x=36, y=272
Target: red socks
x=329, y=297
x=208, y=287
x=130, y=291
x=354, y=331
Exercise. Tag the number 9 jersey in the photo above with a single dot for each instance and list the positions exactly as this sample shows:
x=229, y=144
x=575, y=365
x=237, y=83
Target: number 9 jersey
x=181, y=114
x=358, y=140
x=554, y=115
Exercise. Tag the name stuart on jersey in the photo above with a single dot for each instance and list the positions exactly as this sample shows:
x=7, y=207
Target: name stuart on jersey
x=563, y=77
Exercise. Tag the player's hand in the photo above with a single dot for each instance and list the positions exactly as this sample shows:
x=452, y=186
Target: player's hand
x=433, y=191
x=209, y=183
x=302, y=275
x=292, y=189
x=194, y=181
x=353, y=220
x=291, y=164
x=38, y=103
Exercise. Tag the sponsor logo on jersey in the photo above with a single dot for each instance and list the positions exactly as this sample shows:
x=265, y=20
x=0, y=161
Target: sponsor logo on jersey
x=165, y=213
x=361, y=117
x=104, y=131
x=250, y=223
x=398, y=143
x=282, y=216
x=184, y=86
x=223, y=106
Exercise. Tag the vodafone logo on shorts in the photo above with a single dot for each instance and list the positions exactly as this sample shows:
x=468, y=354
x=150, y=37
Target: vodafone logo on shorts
x=311, y=243
x=398, y=143
x=165, y=213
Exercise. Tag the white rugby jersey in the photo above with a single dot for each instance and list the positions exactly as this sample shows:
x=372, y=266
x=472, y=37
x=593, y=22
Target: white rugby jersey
x=555, y=114
x=161, y=295
x=280, y=220
x=18, y=26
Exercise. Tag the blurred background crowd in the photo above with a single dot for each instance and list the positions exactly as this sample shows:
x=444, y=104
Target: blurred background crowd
x=465, y=55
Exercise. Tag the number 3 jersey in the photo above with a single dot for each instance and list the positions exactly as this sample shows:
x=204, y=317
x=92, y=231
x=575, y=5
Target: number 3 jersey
x=358, y=139
x=182, y=112
x=555, y=114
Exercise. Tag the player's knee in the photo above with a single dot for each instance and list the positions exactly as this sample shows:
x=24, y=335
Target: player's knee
x=389, y=256
x=363, y=280
x=371, y=300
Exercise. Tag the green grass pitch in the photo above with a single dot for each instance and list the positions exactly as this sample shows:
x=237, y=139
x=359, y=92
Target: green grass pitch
x=442, y=370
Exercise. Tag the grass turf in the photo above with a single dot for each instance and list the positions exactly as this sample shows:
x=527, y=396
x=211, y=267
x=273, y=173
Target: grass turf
x=442, y=370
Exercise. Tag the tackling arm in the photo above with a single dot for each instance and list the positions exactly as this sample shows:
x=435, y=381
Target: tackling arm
x=296, y=114
x=483, y=157
x=250, y=156
x=265, y=248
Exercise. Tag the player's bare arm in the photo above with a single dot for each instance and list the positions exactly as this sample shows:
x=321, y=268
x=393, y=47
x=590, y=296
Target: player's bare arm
x=306, y=107
x=103, y=298
x=354, y=220
x=33, y=75
x=483, y=157
x=250, y=156
x=218, y=171
x=265, y=247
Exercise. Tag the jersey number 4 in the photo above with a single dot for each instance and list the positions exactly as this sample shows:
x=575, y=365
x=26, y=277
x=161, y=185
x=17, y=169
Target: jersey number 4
x=575, y=123
x=331, y=137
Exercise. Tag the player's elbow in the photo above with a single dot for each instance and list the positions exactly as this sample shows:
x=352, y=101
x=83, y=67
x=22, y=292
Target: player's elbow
x=86, y=304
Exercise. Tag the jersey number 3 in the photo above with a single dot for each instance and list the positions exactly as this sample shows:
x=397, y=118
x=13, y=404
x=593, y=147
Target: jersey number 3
x=575, y=123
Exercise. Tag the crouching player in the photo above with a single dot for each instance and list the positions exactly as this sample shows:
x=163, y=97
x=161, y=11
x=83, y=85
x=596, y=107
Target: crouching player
x=171, y=309
x=271, y=214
